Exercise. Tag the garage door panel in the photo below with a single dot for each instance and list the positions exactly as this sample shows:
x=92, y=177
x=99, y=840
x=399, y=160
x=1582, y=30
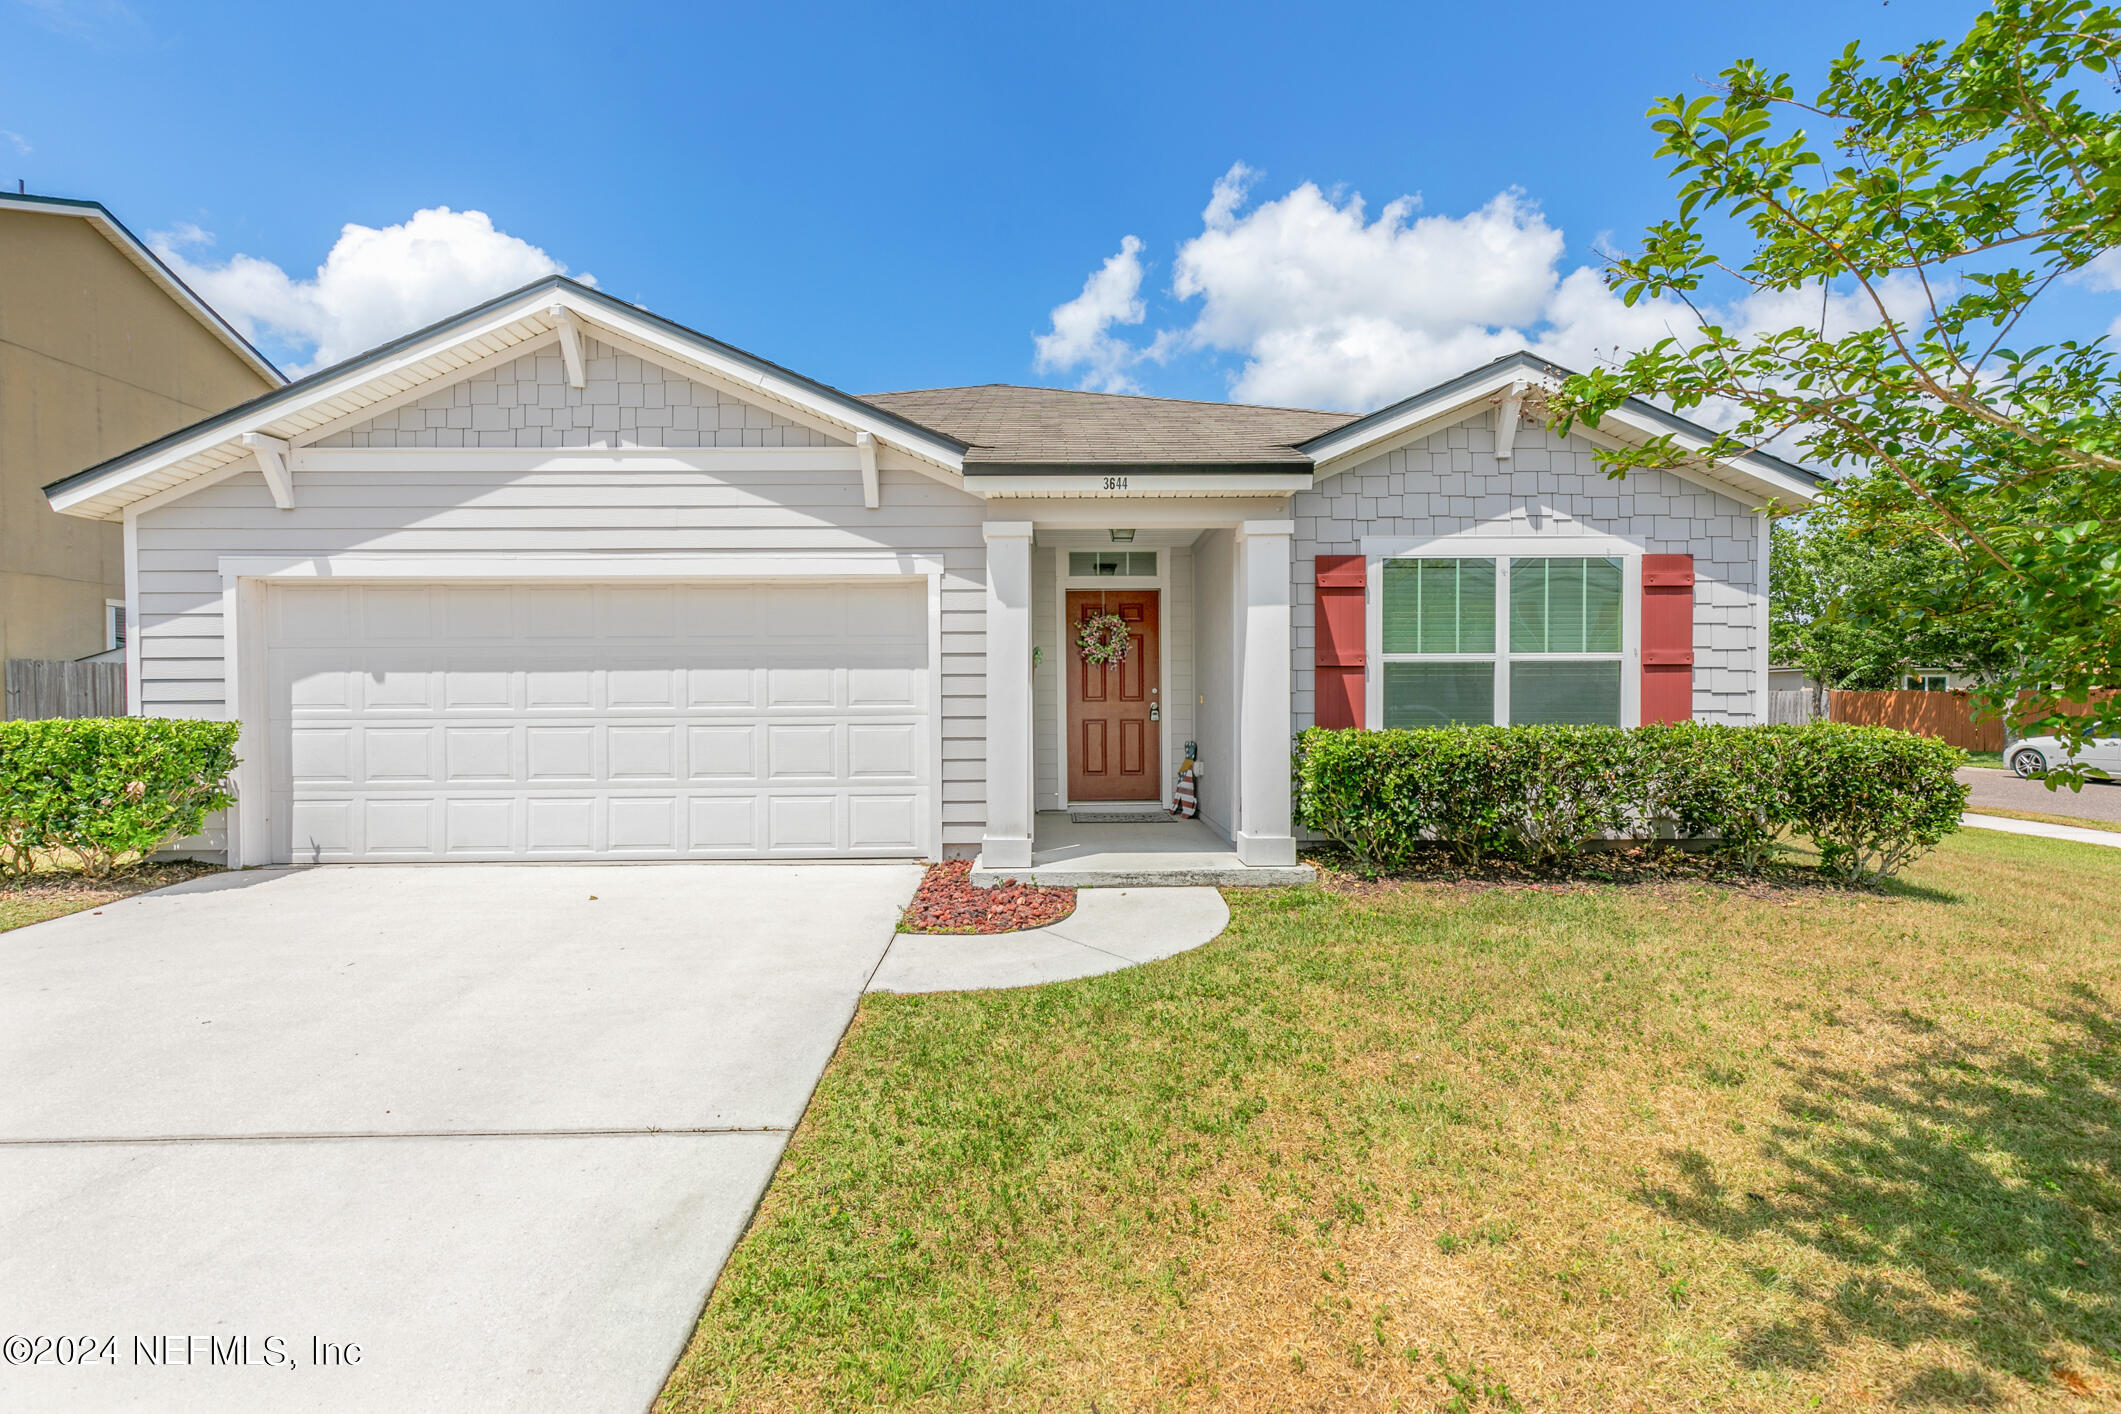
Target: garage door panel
x=480, y=827
x=726, y=753
x=551, y=689
x=802, y=824
x=632, y=721
x=560, y=825
x=478, y=689
x=642, y=823
x=726, y=824
x=558, y=754
x=479, y=611
x=477, y=756
x=399, y=826
x=393, y=615
x=806, y=688
x=641, y=753
x=882, y=750
x=883, y=823
x=734, y=689
x=320, y=754
x=646, y=612
x=563, y=611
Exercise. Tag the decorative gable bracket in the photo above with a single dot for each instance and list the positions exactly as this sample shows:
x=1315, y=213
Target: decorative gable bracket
x=271, y=453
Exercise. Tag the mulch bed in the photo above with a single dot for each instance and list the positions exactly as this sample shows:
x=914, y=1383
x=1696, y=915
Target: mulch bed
x=949, y=902
x=55, y=893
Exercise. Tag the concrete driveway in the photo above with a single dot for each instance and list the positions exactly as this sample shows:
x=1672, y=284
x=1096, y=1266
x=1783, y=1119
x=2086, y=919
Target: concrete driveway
x=496, y=1126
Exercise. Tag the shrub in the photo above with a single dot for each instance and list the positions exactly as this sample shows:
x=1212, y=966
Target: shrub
x=1871, y=798
x=107, y=790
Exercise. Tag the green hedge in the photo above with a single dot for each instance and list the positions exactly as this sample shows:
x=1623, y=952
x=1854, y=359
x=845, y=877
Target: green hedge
x=98, y=792
x=1871, y=798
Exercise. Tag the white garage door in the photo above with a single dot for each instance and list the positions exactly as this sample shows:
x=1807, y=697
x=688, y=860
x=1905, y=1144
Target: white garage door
x=629, y=721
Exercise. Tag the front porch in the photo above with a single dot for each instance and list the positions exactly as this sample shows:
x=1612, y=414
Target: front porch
x=1073, y=745
x=1126, y=854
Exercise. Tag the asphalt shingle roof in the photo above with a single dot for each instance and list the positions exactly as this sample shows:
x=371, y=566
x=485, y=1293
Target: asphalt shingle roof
x=1005, y=425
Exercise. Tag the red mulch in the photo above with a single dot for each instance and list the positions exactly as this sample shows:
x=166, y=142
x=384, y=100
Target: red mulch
x=949, y=902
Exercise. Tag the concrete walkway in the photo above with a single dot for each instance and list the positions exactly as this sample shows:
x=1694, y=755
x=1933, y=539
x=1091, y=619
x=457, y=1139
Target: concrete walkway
x=496, y=1126
x=2079, y=834
x=1110, y=929
x=1122, y=854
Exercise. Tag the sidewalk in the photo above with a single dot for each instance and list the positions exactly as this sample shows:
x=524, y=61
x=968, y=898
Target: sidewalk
x=2076, y=833
x=1110, y=929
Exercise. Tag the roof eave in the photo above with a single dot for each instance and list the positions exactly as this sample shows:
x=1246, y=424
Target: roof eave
x=95, y=483
x=1768, y=474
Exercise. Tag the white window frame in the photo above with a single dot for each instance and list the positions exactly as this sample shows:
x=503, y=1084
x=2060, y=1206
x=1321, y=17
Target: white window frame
x=113, y=611
x=1502, y=550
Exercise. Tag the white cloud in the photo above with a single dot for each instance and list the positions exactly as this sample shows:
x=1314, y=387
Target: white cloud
x=2104, y=274
x=373, y=286
x=17, y=141
x=1082, y=336
x=85, y=19
x=1324, y=306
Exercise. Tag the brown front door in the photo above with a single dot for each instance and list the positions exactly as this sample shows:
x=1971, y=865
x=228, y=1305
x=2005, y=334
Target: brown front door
x=1112, y=739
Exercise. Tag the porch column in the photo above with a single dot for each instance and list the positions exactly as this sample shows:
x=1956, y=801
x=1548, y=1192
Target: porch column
x=1007, y=844
x=1264, y=714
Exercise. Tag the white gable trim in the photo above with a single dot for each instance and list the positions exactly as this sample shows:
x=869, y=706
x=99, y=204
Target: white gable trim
x=420, y=365
x=1750, y=478
x=368, y=412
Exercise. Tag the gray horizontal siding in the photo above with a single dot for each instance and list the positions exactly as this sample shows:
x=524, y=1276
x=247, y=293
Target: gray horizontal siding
x=403, y=509
x=1550, y=488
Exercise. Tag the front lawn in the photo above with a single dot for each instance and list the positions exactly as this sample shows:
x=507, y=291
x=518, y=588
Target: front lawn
x=1442, y=1146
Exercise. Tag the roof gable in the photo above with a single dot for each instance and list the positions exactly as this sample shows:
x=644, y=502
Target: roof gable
x=1523, y=378
x=98, y=216
x=395, y=374
x=528, y=401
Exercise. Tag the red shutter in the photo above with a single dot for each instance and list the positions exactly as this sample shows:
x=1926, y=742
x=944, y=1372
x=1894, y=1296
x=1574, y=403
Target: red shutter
x=1339, y=642
x=1667, y=638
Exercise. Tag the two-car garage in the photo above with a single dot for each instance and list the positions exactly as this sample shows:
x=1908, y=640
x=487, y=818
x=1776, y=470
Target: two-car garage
x=428, y=720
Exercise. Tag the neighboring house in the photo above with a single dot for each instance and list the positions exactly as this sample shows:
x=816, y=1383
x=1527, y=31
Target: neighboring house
x=101, y=348
x=560, y=579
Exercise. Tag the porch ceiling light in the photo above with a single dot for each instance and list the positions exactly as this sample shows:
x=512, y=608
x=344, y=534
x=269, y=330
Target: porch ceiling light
x=1123, y=537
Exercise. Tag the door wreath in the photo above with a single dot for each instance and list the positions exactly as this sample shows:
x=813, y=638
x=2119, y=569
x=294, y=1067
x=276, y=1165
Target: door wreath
x=1104, y=639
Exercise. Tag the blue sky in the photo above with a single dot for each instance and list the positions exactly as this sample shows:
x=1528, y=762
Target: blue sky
x=890, y=197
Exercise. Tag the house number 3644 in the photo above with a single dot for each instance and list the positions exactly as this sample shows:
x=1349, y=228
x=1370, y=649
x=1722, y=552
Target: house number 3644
x=1115, y=483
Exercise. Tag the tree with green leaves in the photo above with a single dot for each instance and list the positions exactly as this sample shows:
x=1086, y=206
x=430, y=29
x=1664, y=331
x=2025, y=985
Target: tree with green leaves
x=1840, y=606
x=1948, y=188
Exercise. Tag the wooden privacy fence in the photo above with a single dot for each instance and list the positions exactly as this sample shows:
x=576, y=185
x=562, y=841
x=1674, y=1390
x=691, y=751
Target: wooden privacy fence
x=1948, y=716
x=1790, y=706
x=40, y=687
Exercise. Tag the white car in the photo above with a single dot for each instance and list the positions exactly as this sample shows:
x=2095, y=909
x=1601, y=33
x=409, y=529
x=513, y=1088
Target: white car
x=2031, y=756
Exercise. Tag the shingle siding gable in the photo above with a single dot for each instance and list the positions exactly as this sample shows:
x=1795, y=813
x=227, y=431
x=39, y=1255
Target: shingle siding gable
x=627, y=401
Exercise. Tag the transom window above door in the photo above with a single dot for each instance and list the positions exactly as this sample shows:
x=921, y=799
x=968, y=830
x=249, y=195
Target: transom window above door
x=1089, y=564
x=1508, y=640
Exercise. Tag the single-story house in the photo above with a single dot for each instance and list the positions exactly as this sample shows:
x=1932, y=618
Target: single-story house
x=560, y=579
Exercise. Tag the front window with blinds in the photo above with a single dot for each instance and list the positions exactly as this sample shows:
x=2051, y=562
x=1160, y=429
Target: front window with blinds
x=1516, y=640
